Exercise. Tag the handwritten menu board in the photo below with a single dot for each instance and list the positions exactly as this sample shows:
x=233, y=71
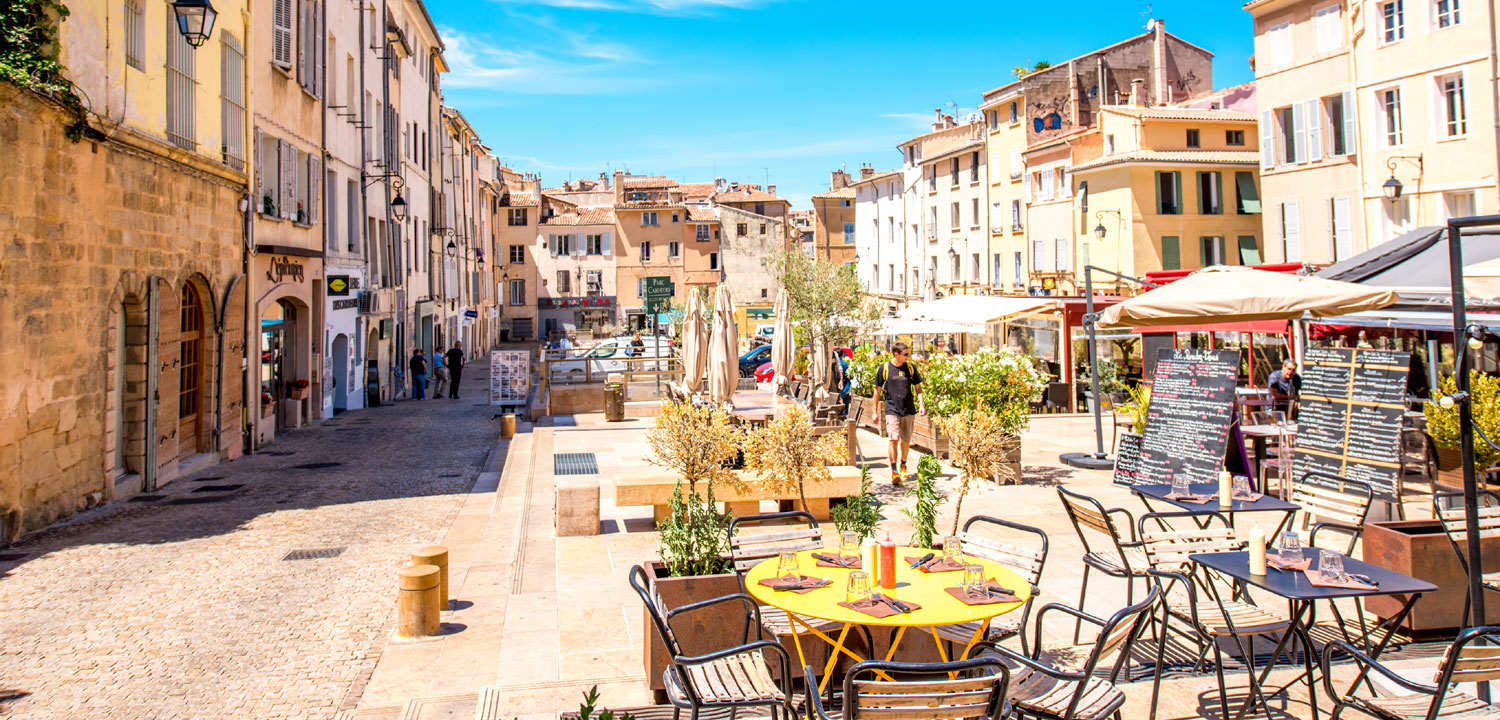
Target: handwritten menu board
x=1128, y=458
x=1187, y=425
x=510, y=376
x=1349, y=417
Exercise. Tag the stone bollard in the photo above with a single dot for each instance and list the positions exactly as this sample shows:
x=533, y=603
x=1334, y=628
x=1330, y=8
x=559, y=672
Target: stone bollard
x=417, y=605
x=435, y=555
x=507, y=426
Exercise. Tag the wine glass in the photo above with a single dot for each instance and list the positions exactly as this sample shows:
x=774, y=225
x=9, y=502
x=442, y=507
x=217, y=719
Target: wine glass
x=848, y=547
x=953, y=551
x=1241, y=487
x=1180, y=486
x=786, y=567
x=858, y=588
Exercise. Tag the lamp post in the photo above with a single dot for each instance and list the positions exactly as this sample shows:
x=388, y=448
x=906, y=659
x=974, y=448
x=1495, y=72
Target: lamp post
x=195, y=20
x=1392, y=187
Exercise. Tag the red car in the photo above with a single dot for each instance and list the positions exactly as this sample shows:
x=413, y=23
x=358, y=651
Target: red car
x=765, y=373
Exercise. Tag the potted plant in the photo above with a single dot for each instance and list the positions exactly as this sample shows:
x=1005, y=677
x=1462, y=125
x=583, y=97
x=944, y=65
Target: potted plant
x=858, y=513
x=923, y=513
x=1109, y=383
x=299, y=389
x=1442, y=426
x=694, y=441
x=788, y=452
x=1000, y=383
x=982, y=448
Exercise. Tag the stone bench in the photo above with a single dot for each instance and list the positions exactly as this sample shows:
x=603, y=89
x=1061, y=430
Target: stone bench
x=655, y=489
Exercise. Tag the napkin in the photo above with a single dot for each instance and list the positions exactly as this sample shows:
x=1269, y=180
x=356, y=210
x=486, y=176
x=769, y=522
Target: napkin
x=853, y=562
x=877, y=609
x=1316, y=578
x=997, y=595
x=1194, y=499
x=936, y=565
x=1249, y=497
x=1275, y=561
x=804, y=584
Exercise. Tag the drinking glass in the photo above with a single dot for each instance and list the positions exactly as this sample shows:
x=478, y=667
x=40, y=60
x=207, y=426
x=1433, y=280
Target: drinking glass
x=1291, y=547
x=786, y=567
x=1180, y=486
x=1331, y=567
x=974, y=581
x=953, y=551
x=1241, y=487
x=849, y=547
x=858, y=587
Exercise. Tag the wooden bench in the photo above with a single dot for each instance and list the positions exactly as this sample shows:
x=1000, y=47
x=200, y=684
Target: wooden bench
x=655, y=489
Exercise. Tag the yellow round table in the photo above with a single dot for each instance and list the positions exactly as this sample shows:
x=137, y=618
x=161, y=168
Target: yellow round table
x=925, y=589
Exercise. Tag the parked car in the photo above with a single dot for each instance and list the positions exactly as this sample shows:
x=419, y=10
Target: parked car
x=754, y=359
x=765, y=373
x=609, y=356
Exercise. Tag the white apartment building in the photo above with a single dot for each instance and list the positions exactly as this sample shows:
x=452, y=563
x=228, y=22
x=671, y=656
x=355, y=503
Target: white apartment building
x=887, y=258
x=949, y=189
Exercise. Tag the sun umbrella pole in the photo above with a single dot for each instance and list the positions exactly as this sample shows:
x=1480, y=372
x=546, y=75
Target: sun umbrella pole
x=1466, y=428
x=1088, y=289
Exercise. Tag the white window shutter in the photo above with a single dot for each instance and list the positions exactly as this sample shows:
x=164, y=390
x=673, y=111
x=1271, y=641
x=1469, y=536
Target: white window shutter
x=1299, y=132
x=283, y=173
x=1067, y=181
x=301, y=36
x=579, y=245
x=260, y=174
x=1351, y=136
x=314, y=187
x=281, y=33
x=605, y=246
x=1015, y=162
x=1292, y=217
x=1343, y=230
x=1267, y=140
x=1314, y=130
x=320, y=67
x=1028, y=187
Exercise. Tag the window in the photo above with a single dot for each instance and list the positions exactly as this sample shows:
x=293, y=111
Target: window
x=180, y=83
x=352, y=215
x=953, y=170
x=1397, y=217
x=1015, y=215
x=1458, y=204
x=1061, y=246
x=1015, y=113
x=994, y=118
x=953, y=276
x=1109, y=144
x=281, y=33
x=518, y=292
x=932, y=223
x=1234, y=138
x=763, y=228
x=713, y=264
x=564, y=281
x=1340, y=231
x=1446, y=12
x=1329, y=30
x=1171, y=254
x=646, y=251
x=1291, y=232
x=1389, y=102
x=674, y=217
x=953, y=213
x=846, y=203
x=974, y=167
x=593, y=244
x=1212, y=249
x=1340, y=111
x=562, y=244
x=1193, y=140
x=135, y=34
x=1454, y=115
x=976, y=268
x=516, y=217
x=849, y=232
x=996, y=215
x=518, y=254
x=700, y=233
x=1210, y=194
x=932, y=178
x=674, y=249
x=232, y=100
x=1020, y=270
x=760, y=208
x=976, y=212
x=594, y=280
x=1392, y=21
x=1168, y=193
x=1246, y=196
x=1291, y=122
x=741, y=229
x=650, y=219
x=1017, y=167
x=1279, y=43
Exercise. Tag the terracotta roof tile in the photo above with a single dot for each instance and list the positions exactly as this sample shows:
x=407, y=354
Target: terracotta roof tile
x=701, y=215
x=523, y=199
x=696, y=191
x=649, y=181
x=841, y=193
x=743, y=195
x=584, y=216
x=1181, y=113
x=1196, y=157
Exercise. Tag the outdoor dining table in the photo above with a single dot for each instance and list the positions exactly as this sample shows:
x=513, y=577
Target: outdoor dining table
x=1258, y=435
x=928, y=590
x=1266, y=503
x=1302, y=595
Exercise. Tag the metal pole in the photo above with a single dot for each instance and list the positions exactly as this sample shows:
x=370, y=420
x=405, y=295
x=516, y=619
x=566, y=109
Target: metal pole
x=1466, y=429
x=1088, y=319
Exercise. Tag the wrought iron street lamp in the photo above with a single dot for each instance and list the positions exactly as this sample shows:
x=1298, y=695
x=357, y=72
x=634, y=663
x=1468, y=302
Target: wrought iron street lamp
x=195, y=20
x=1392, y=187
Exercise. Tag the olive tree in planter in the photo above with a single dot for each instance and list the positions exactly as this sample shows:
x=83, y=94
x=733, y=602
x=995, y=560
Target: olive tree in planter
x=788, y=452
x=695, y=442
x=1442, y=426
x=981, y=448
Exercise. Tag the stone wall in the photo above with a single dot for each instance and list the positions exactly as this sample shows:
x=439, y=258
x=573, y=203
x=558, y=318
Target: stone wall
x=743, y=257
x=100, y=238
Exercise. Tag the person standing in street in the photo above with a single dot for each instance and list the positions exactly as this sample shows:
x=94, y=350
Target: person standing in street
x=900, y=383
x=418, y=375
x=439, y=375
x=455, y=363
x=636, y=345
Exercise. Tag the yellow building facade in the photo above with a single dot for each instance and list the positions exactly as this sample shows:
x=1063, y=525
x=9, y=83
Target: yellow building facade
x=1005, y=143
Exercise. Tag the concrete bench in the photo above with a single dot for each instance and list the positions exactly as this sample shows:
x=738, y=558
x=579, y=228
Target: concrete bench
x=655, y=489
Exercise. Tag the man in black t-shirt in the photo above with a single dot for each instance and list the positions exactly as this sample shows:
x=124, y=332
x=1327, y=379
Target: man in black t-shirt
x=455, y=362
x=900, y=383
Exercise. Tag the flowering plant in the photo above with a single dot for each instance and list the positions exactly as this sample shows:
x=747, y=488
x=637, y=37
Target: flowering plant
x=300, y=384
x=999, y=382
x=867, y=358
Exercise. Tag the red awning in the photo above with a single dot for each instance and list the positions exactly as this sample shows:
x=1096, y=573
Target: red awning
x=1273, y=327
x=1163, y=277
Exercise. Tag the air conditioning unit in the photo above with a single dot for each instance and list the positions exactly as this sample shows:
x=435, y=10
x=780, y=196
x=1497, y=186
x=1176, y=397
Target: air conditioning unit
x=367, y=302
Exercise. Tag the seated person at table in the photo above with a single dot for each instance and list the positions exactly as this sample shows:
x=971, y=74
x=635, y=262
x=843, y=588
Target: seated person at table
x=1284, y=385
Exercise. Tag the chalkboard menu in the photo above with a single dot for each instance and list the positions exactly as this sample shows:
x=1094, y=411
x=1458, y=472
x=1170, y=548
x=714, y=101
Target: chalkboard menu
x=1349, y=417
x=510, y=376
x=1128, y=458
x=1187, y=425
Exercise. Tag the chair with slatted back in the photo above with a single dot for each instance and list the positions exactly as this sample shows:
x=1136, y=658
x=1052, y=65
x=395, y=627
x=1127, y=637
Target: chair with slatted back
x=875, y=690
x=740, y=676
x=1473, y=657
x=1048, y=693
x=792, y=531
x=981, y=538
x=1110, y=552
x=1211, y=608
x=1457, y=529
x=1340, y=506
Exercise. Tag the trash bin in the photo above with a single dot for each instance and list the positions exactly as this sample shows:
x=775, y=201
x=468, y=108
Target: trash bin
x=614, y=401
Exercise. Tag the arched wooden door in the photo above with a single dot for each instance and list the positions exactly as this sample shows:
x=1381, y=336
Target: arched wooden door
x=190, y=378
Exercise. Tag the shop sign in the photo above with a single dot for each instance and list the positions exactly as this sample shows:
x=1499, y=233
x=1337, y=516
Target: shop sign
x=281, y=268
x=548, y=303
x=471, y=313
x=346, y=304
x=338, y=285
x=387, y=328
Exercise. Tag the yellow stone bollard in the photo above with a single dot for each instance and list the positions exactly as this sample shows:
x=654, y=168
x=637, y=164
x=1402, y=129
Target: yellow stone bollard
x=435, y=555
x=507, y=426
x=417, y=604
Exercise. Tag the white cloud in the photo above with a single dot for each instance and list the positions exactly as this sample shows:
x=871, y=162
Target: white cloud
x=662, y=7
x=579, y=68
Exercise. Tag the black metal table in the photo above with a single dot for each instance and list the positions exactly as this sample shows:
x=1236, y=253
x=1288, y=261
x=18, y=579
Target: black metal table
x=1266, y=503
x=1301, y=595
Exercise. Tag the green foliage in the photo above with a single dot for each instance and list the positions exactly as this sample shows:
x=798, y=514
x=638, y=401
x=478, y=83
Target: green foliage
x=589, y=708
x=1109, y=376
x=827, y=300
x=28, y=54
x=694, y=537
x=1484, y=404
x=867, y=359
x=1000, y=382
x=1138, y=405
x=924, y=514
x=859, y=513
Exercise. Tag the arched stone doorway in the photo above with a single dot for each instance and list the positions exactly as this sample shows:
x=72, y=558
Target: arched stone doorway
x=191, y=372
x=340, y=368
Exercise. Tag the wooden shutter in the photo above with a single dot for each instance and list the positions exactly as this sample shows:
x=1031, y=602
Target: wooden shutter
x=260, y=174
x=281, y=33
x=301, y=38
x=314, y=187
x=1161, y=208
x=1299, y=132
x=1028, y=187
x=1343, y=229
x=1267, y=140
x=1171, y=254
x=1314, y=130
x=604, y=247
x=320, y=69
x=284, y=176
x=1249, y=252
x=1291, y=231
x=1351, y=137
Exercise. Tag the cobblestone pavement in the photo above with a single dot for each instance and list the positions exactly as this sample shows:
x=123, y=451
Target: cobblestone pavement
x=174, y=609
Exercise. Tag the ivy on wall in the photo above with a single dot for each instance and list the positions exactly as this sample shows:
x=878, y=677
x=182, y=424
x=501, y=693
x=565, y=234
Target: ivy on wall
x=28, y=55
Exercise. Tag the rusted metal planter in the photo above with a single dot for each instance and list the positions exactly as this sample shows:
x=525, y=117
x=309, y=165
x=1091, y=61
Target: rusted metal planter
x=1419, y=548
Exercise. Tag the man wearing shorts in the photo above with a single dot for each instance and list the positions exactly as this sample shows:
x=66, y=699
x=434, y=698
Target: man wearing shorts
x=900, y=383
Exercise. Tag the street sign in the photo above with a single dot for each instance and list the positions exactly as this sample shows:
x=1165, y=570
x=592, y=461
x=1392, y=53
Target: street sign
x=658, y=291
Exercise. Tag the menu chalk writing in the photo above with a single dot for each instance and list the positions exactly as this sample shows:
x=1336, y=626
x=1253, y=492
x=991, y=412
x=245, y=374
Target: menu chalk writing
x=1128, y=458
x=1349, y=418
x=1187, y=425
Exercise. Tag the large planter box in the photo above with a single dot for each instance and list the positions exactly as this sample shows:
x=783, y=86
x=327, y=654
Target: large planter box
x=1421, y=549
x=926, y=436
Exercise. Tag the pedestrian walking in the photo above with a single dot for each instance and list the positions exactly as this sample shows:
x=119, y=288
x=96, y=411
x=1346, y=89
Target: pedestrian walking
x=439, y=374
x=636, y=346
x=418, y=375
x=455, y=363
x=900, y=383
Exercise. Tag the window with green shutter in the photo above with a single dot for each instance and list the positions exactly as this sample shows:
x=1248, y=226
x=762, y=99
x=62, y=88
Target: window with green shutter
x=1168, y=193
x=1171, y=254
x=1249, y=251
x=1247, y=198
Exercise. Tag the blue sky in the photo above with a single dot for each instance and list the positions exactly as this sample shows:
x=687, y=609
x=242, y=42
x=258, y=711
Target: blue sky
x=758, y=90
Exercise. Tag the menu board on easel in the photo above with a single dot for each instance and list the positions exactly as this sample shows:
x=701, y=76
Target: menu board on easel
x=1187, y=424
x=1349, y=418
x=510, y=377
x=1128, y=458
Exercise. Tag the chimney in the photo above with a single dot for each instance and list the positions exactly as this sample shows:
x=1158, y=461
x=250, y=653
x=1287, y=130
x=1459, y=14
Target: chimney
x=770, y=189
x=603, y=181
x=619, y=186
x=938, y=123
x=866, y=171
x=1138, y=92
x=567, y=186
x=1159, y=61
x=838, y=180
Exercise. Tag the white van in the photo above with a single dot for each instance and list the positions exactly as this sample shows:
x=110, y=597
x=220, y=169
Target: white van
x=609, y=356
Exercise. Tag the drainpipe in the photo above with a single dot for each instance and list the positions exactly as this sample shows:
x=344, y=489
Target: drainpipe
x=250, y=389
x=1494, y=91
x=153, y=329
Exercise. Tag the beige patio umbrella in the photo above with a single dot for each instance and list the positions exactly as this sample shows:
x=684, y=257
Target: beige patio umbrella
x=1241, y=294
x=1482, y=279
x=783, y=345
x=694, y=343
x=723, y=361
x=817, y=364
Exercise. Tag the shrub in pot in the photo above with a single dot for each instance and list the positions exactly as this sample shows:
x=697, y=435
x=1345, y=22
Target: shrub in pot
x=999, y=383
x=1442, y=425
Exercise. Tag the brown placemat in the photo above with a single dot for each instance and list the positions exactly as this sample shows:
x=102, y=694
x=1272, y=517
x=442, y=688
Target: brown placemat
x=1315, y=577
x=991, y=599
x=1249, y=497
x=804, y=585
x=1194, y=499
x=854, y=562
x=936, y=565
x=878, y=609
x=1275, y=561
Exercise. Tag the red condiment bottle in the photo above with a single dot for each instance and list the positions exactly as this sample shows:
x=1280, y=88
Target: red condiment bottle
x=887, y=563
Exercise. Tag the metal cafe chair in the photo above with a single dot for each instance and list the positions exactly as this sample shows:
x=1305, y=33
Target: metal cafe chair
x=974, y=688
x=1473, y=657
x=1045, y=692
x=1342, y=509
x=731, y=678
x=1454, y=525
x=1117, y=555
x=981, y=538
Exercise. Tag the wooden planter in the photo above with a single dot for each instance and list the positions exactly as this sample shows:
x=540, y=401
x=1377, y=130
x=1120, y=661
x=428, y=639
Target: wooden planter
x=1421, y=549
x=1448, y=458
x=1012, y=460
x=926, y=436
x=297, y=393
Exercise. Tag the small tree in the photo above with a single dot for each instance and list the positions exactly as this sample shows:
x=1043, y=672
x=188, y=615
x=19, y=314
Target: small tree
x=788, y=452
x=979, y=445
x=694, y=441
x=827, y=300
x=923, y=514
x=859, y=513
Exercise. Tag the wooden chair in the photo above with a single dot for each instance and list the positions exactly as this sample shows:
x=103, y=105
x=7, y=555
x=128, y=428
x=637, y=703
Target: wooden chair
x=1228, y=612
x=747, y=383
x=1340, y=509
x=982, y=539
x=1473, y=657
x=974, y=688
x=1047, y=693
x=735, y=677
x=1111, y=552
x=1457, y=529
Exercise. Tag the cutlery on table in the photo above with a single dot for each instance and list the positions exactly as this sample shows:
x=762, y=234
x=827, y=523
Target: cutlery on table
x=921, y=561
x=829, y=559
x=1366, y=579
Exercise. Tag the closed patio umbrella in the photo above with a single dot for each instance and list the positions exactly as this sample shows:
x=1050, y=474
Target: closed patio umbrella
x=1240, y=294
x=783, y=345
x=723, y=361
x=694, y=343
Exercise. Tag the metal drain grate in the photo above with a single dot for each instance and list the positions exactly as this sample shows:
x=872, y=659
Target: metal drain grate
x=314, y=553
x=209, y=478
x=450, y=475
x=279, y=453
x=575, y=464
x=317, y=465
x=198, y=499
x=12, y=557
x=217, y=488
x=148, y=498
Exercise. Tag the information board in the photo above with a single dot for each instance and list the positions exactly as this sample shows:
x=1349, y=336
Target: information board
x=1187, y=424
x=510, y=377
x=1349, y=417
x=1128, y=458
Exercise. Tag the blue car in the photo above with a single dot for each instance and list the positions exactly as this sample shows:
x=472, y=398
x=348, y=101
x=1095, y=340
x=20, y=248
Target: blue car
x=753, y=359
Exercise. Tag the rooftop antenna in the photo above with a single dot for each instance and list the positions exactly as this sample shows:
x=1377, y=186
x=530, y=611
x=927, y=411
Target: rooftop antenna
x=1148, y=15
